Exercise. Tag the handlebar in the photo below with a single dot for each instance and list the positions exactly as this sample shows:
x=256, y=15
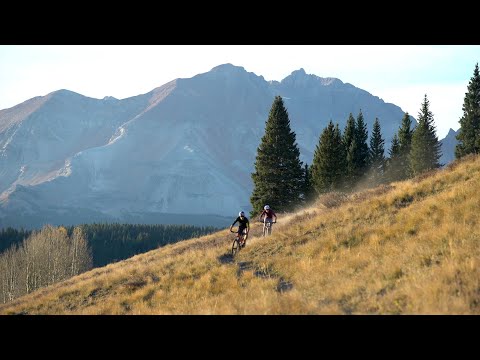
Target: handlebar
x=235, y=232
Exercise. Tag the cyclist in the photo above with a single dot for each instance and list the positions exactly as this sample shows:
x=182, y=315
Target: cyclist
x=243, y=227
x=268, y=217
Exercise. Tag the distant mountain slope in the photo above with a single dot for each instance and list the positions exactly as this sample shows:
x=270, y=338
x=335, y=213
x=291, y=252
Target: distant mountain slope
x=40, y=135
x=408, y=248
x=186, y=148
x=448, y=147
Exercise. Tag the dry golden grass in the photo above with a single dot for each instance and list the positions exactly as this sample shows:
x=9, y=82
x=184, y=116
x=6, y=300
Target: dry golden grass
x=408, y=248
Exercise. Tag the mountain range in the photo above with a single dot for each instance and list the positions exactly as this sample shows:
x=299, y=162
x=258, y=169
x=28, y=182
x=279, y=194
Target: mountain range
x=181, y=153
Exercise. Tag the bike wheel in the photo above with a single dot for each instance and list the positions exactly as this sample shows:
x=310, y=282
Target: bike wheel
x=235, y=247
x=269, y=229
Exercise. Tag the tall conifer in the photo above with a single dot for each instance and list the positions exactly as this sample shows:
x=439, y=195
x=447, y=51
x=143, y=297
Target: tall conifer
x=405, y=133
x=328, y=161
x=469, y=133
x=279, y=177
x=426, y=149
x=377, y=155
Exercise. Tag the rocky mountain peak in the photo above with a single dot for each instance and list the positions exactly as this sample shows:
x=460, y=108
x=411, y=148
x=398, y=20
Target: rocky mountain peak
x=228, y=69
x=299, y=78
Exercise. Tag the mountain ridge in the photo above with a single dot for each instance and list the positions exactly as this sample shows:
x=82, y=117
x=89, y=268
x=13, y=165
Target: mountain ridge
x=187, y=146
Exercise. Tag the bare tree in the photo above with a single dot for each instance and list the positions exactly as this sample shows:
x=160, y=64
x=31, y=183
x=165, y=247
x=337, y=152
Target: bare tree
x=30, y=253
x=10, y=272
x=81, y=255
x=45, y=257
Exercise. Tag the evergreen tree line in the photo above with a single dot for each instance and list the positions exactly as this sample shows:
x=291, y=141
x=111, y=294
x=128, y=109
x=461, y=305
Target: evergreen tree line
x=115, y=242
x=47, y=256
x=346, y=162
x=341, y=162
x=10, y=236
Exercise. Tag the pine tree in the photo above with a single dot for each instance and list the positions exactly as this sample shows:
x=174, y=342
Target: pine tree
x=426, y=149
x=405, y=133
x=349, y=145
x=327, y=168
x=394, y=168
x=469, y=132
x=362, y=151
x=341, y=159
x=279, y=177
x=309, y=190
x=377, y=155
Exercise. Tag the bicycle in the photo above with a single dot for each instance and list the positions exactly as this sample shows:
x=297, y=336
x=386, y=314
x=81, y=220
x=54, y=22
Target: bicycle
x=237, y=243
x=267, y=227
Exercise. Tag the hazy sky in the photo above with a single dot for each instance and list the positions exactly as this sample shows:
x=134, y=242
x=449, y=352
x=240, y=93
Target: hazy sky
x=398, y=74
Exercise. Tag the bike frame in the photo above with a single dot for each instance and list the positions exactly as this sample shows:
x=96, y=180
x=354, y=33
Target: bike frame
x=267, y=227
x=236, y=242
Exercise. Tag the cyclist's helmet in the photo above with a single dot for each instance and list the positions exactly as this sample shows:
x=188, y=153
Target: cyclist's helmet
x=241, y=213
x=266, y=207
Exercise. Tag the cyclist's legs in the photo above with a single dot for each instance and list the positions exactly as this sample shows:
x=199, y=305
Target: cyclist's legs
x=270, y=226
x=265, y=221
x=241, y=234
x=245, y=234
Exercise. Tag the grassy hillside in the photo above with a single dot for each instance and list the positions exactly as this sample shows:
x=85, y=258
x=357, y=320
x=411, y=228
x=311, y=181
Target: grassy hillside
x=408, y=248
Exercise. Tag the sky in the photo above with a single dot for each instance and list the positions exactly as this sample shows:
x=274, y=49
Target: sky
x=398, y=74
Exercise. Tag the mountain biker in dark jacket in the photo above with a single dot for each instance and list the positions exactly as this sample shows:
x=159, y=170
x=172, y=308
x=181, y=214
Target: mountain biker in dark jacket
x=243, y=227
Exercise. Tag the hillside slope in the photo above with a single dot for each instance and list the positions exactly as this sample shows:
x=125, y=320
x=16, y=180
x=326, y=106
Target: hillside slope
x=408, y=248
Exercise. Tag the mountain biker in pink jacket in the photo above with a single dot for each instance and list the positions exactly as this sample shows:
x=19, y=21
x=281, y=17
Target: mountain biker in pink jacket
x=268, y=215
